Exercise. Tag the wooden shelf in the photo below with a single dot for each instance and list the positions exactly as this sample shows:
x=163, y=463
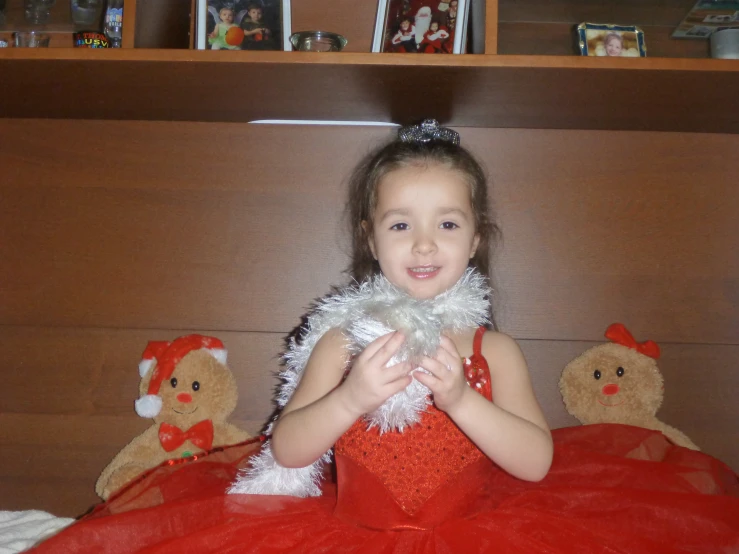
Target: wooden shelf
x=547, y=27
x=483, y=91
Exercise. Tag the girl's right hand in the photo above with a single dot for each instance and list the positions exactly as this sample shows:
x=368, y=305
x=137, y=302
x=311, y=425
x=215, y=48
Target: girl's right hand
x=370, y=382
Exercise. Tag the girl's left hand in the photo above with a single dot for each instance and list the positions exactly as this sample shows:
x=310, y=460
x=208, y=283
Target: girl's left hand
x=446, y=379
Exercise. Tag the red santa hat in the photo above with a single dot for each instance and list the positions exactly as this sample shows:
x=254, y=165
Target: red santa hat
x=164, y=357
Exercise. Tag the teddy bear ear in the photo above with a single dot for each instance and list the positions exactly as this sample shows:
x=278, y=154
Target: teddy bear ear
x=220, y=354
x=148, y=406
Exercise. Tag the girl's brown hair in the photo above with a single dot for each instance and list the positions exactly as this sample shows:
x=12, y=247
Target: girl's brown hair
x=396, y=155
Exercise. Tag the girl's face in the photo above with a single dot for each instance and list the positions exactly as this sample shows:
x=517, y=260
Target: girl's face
x=424, y=229
x=434, y=27
x=613, y=47
x=405, y=24
x=227, y=16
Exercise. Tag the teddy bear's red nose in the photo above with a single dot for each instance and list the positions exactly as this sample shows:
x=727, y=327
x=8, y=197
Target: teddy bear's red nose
x=184, y=397
x=608, y=390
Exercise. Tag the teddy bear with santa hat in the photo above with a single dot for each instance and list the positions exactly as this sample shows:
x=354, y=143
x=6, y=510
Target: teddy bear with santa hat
x=189, y=391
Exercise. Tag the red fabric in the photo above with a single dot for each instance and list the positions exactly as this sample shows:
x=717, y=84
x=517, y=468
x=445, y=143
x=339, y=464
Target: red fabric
x=412, y=466
x=476, y=369
x=619, y=334
x=612, y=488
x=200, y=434
x=154, y=349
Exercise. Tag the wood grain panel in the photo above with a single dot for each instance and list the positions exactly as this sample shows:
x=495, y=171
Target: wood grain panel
x=492, y=21
x=128, y=32
x=354, y=20
x=80, y=372
x=560, y=39
x=64, y=449
x=624, y=12
x=538, y=92
x=71, y=497
x=161, y=24
x=598, y=227
x=608, y=227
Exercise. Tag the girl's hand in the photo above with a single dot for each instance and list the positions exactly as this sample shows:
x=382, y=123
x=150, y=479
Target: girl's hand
x=447, y=381
x=370, y=382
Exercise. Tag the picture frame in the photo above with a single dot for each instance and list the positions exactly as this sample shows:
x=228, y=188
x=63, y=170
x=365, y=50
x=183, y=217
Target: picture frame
x=599, y=39
x=243, y=25
x=706, y=17
x=421, y=26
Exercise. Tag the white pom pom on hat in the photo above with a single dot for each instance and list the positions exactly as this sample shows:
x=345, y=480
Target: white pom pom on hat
x=149, y=405
x=164, y=356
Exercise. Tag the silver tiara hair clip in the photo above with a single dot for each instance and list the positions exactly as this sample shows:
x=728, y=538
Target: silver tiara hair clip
x=427, y=131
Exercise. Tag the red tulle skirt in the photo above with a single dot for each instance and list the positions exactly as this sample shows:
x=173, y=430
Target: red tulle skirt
x=611, y=488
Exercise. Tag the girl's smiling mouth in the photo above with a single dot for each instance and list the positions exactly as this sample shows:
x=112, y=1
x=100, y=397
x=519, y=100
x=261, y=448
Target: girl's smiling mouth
x=423, y=272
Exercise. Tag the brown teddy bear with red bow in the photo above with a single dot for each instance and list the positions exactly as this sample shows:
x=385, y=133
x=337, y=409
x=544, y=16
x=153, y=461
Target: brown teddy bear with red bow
x=618, y=382
x=189, y=391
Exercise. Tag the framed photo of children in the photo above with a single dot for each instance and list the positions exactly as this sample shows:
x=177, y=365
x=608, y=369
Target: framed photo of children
x=625, y=41
x=421, y=26
x=243, y=25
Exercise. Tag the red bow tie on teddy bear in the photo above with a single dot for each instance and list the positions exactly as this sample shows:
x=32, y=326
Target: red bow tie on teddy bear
x=200, y=434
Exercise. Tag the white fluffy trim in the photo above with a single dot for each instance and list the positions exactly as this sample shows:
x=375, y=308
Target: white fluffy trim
x=266, y=476
x=219, y=354
x=365, y=312
x=148, y=406
x=145, y=366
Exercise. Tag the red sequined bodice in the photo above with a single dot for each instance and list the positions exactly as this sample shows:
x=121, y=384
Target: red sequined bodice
x=413, y=465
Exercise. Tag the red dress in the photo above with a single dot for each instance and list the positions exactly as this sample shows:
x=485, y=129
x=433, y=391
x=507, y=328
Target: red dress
x=611, y=488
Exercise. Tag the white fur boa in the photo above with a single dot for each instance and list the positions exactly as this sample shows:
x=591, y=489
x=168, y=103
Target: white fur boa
x=365, y=312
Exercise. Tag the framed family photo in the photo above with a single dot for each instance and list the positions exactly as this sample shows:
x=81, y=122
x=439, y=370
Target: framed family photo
x=598, y=39
x=421, y=26
x=243, y=25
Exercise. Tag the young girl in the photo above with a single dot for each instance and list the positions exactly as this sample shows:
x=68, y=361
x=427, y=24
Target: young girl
x=614, y=44
x=421, y=223
x=218, y=39
x=439, y=442
x=434, y=40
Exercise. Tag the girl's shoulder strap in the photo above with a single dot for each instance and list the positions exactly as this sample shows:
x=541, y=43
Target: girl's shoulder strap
x=476, y=369
x=477, y=341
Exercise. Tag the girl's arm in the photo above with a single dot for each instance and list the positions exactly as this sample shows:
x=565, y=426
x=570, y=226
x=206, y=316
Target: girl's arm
x=323, y=407
x=511, y=431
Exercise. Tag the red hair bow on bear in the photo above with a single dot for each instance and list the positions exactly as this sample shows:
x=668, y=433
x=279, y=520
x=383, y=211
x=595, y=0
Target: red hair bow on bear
x=619, y=334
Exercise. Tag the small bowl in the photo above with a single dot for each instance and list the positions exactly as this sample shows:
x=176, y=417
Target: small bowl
x=317, y=41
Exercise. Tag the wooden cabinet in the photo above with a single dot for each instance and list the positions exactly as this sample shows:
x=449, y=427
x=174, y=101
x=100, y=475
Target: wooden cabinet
x=129, y=213
x=532, y=83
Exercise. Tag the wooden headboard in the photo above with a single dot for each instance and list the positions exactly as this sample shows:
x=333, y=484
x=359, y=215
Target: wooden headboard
x=115, y=233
